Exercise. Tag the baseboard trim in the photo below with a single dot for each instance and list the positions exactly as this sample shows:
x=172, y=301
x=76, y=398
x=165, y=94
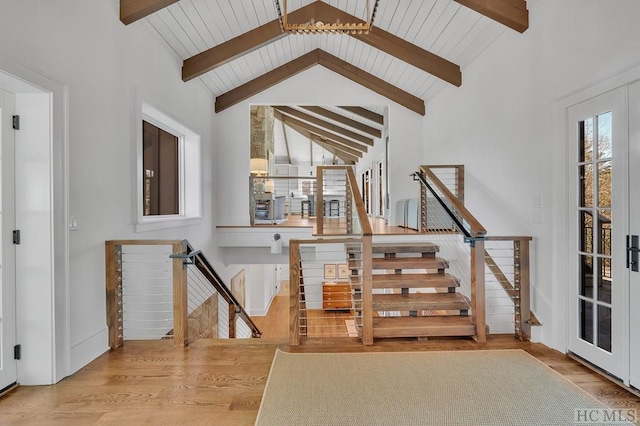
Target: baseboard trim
x=89, y=349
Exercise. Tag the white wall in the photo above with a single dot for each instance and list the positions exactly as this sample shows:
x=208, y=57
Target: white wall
x=84, y=46
x=316, y=86
x=499, y=124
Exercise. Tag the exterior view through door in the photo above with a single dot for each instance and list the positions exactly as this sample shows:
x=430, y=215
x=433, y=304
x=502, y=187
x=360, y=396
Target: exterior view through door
x=604, y=293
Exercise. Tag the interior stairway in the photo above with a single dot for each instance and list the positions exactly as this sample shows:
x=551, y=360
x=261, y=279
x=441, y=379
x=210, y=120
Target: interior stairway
x=410, y=303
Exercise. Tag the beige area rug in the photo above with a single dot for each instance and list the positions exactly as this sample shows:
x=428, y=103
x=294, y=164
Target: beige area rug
x=507, y=387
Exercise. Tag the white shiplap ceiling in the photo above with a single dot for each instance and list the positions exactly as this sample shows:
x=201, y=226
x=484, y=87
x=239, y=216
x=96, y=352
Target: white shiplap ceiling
x=442, y=27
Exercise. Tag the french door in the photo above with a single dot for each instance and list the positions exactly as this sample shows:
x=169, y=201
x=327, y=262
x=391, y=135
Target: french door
x=604, y=294
x=8, y=365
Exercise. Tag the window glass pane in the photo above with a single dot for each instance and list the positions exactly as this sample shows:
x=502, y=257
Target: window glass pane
x=604, y=232
x=160, y=171
x=586, y=225
x=604, y=280
x=586, y=276
x=604, y=135
x=586, y=320
x=604, y=328
x=586, y=185
x=604, y=184
x=585, y=132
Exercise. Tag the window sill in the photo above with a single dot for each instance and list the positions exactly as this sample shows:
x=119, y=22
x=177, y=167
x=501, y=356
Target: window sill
x=166, y=223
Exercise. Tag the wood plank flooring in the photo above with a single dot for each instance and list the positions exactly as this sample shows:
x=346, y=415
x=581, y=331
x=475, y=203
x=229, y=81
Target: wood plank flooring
x=220, y=382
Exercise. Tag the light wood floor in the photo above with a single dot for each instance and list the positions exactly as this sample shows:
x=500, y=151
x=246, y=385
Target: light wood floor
x=221, y=382
x=337, y=226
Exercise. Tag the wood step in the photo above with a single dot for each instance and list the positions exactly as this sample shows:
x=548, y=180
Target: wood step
x=406, y=248
x=414, y=281
x=409, y=263
x=420, y=301
x=422, y=326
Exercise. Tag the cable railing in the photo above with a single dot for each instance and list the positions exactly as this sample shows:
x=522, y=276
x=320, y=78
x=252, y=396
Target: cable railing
x=332, y=274
x=499, y=264
x=153, y=293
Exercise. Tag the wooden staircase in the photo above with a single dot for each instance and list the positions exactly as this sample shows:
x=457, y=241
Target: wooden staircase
x=407, y=303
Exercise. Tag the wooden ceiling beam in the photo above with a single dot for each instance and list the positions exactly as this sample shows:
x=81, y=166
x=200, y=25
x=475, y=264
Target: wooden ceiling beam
x=241, y=45
x=351, y=145
x=511, y=13
x=336, y=65
x=372, y=82
x=347, y=154
x=133, y=10
x=325, y=124
x=336, y=151
x=271, y=31
x=343, y=120
x=265, y=81
x=365, y=113
x=396, y=46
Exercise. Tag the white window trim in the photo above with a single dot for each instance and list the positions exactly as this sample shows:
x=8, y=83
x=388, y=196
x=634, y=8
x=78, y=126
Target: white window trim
x=190, y=164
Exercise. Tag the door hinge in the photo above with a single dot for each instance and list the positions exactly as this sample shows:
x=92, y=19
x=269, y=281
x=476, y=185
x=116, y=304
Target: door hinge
x=17, y=352
x=16, y=236
x=16, y=122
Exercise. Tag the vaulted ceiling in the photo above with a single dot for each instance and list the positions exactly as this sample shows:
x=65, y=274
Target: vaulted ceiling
x=416, y=48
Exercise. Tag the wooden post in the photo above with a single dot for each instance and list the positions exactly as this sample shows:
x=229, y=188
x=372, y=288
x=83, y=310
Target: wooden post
x=294, y=293
x=320, y=201
x=522, y=284
x=478, y=291
x=367, y=293
x=232, y=320
x=113, y=268
x=460, y=183
x=180, y=304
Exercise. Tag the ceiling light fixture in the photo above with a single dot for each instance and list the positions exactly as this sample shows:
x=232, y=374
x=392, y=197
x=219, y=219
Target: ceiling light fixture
x=318, y=26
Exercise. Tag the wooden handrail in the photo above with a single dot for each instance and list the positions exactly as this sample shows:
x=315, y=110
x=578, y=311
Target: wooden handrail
x=477, y=230
x=214, y=279
x=360, y=209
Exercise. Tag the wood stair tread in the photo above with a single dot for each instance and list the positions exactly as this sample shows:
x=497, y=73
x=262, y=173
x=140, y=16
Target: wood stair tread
x=422, y=326
x=420, y=301
x=414, y=281
x=409, y=263
x=405, y=248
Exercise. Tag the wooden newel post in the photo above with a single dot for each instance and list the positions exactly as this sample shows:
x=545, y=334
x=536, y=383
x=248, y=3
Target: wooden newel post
x=522, y=283
x=294, y=293
x=113, y=268
x=477, y=290
x=232, y=320
x=367, y=291
x=180, y=304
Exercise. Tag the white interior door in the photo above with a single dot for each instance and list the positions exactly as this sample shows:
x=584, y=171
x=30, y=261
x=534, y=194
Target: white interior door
x=8, y=366
x=634, y=229
x=598, y=298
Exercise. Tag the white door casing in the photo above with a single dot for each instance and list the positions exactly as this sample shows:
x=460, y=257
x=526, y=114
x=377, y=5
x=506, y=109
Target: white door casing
x=8, y=365
x=634, y=229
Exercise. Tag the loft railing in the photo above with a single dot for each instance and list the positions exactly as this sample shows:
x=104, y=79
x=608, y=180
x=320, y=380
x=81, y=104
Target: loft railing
x=356, y=243
x=499, y=264
x=152, y=294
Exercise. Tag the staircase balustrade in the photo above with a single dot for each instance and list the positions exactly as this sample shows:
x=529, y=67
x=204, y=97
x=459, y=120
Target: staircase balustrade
x=153, y=293
x=497, y=264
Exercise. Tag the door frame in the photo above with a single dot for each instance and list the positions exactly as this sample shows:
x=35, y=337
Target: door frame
x=564, y=213
x=54, y=363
